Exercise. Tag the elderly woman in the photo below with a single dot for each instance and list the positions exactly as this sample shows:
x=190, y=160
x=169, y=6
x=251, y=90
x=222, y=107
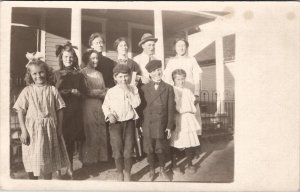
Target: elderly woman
x=105, y=65
x=190, y=66
x=121, y=46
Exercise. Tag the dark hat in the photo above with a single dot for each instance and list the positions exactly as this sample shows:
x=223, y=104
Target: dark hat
x=152, y=65
x=147, y=37
x=120, y=68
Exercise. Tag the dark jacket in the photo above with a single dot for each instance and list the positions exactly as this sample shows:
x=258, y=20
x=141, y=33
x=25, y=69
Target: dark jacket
x=159, y=109
x=105, y=66
x=65, y=80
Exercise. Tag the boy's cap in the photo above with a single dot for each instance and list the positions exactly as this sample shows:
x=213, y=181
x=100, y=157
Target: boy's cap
x=120, y=68
x=152, y=65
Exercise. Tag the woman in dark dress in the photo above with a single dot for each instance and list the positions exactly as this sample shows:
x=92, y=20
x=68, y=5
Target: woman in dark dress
x=71, y=85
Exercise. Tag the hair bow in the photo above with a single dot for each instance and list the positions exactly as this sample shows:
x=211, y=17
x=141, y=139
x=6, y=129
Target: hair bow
x=60, y=48
x=33, y=56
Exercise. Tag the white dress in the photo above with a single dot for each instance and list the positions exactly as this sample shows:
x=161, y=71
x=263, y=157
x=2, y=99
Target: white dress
x=185, y=133
x=192, y=81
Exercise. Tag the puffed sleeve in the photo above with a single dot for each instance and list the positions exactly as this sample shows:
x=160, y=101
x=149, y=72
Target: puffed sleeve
x=21, y=105
x=59, y=102
x=197, y=71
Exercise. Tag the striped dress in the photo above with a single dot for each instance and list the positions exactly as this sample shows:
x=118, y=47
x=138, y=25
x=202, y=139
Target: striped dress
x=46, y=152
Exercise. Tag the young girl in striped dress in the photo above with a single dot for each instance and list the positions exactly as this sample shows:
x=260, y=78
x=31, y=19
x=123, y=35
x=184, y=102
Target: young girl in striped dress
x=39, y=107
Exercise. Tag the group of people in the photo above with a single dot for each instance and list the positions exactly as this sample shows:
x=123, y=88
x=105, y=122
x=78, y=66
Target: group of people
x=103, y=101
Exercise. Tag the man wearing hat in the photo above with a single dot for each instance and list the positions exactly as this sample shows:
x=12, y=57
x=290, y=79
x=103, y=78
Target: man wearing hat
x=158, y=110
x=148, y=44
x=118, y=108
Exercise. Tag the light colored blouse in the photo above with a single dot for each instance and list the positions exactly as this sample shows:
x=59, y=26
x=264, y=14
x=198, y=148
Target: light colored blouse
x=121, y=104
x=192, y=69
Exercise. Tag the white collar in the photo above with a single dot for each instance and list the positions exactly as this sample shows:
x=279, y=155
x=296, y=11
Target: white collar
x=146, y=55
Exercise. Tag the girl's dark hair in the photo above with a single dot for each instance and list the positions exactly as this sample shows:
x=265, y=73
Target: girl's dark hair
x=182, y=39
x=60, y=49
x=178, y=72
x=49, y=72
x=86, y=56
x=94, y=36
x=118, y=41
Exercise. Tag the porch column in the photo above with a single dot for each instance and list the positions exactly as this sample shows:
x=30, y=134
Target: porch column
x=220, y=75
x=159, y=34
x=76, y=31
x=43, y=34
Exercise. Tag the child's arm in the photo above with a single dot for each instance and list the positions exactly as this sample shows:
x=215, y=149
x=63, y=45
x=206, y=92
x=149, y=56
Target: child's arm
x=21, y=106
x=60, y=116
x=25, y=138
x=108, y=113
x=132, y=94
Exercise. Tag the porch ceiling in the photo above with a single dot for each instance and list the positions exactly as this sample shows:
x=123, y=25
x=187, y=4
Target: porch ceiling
x=50, y=12
x=172, y=20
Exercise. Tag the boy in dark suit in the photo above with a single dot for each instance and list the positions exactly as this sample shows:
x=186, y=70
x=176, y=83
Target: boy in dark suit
x=159, y=108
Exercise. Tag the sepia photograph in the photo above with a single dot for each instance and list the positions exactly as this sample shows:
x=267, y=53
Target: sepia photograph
x=128, y=94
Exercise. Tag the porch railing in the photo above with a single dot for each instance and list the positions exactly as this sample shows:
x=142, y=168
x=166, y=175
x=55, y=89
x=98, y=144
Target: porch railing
x=213, y=122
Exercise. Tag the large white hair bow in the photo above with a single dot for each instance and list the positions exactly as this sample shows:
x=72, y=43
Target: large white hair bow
x=33, y=56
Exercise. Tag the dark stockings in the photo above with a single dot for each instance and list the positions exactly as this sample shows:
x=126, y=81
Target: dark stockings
x=119, y=165
x=161, y=160
x=70, y=150
x=189, y=152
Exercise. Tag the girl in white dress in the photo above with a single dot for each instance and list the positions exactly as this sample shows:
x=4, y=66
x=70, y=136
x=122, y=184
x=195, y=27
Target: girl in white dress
x=185, y=135
x=192, y=69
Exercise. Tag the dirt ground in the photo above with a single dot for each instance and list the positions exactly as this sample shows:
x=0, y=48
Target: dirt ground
x=214, y=164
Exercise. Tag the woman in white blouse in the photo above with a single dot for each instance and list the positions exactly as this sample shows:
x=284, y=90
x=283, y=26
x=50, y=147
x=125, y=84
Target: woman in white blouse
x=192, y=68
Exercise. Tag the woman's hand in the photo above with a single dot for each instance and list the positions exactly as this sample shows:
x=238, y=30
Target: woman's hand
x=25, y=138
